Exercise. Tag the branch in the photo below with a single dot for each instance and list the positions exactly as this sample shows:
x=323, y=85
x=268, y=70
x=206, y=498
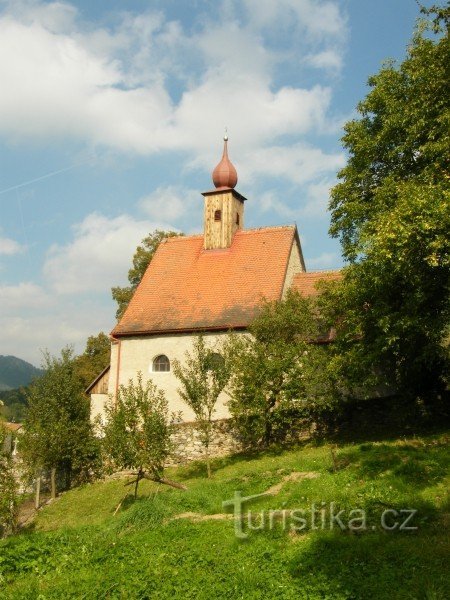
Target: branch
x=174, y=484
x=132, y=481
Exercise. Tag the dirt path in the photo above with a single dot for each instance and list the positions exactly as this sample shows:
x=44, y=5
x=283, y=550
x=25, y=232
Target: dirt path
x=272, y=491
x=27, y=512
x=294, y=476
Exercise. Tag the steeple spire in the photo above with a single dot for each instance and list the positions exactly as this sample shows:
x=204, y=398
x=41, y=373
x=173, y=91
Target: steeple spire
x=225, y=175
x=224, y=206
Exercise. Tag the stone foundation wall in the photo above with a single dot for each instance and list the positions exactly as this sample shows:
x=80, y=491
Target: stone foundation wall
x=189, y=446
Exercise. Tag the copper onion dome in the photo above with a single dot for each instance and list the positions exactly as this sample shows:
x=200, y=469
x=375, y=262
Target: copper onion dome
x=225, y=175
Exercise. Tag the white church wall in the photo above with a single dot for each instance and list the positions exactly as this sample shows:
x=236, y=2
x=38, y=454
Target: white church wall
x=98, y=402
x=136, y=354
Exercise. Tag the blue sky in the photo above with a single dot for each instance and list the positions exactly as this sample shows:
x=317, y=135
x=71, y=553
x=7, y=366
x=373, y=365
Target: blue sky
x=111, y=121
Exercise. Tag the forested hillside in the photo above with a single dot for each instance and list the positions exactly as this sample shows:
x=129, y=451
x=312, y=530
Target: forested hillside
x=15, y=372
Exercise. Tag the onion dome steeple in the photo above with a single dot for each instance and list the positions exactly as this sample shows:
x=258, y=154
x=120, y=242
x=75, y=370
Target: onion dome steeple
x=224, y=206
x=225, y=175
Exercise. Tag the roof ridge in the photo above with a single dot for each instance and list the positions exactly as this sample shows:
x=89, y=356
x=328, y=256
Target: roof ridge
x=180, y=238
x=267, y=227
x=320, y=271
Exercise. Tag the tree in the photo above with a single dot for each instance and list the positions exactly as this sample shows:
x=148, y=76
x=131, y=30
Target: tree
x=141, y=259
x=94, y=359
x=203, y=378
x=391, y=211
x=279, y=375
x=57, y=429
x=13, y=404
x=8, y=485
x=137, y=432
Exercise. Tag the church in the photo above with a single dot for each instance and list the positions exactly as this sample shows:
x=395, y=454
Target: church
x=210, y=284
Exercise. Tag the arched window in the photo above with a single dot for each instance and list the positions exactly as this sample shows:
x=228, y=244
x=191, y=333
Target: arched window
x=237, y=219
x=161, y=363
x=217, y=215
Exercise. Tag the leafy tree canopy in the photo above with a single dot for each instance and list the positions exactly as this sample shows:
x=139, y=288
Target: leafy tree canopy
x=401, y=137
x=278, y=373
x=137, y=431
x=94, y=359
x=8, y=484
x=203, y=377
x=391, y=211
x=57, y=428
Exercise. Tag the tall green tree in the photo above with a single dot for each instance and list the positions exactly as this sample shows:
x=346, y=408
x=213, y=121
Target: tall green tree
x=57, y=431
x=391, y=211
x=279, y=374
x=203, y=376
x=141, y=259
x=8, y=485
x=94, y=359
x=137, y=431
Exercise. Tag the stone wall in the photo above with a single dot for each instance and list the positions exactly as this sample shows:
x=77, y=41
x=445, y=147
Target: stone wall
x=296, y=265
x=189, y=446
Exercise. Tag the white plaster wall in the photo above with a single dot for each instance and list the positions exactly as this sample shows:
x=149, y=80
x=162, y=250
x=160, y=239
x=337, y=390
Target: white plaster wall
x=98, y=402
x=137, y=354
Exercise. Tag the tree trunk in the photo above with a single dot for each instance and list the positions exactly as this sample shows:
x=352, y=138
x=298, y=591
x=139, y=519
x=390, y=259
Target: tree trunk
x=267, y=431
x=53, y=482
x=37, y=500
x=208, y=462
x=333, y=458
x=139, y=477
x=208, y=441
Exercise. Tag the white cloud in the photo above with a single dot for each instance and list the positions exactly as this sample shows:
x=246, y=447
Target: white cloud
x=9, y=247
x=22, y=295
x=317, y=19
x=318, y=195
x=313, y=204
x=54, y=16
x=170, y=204
x=69, y=323
x=327, y=59
x=53, y=85
x=270, y=202
x=326, y=260
x=299, y=163
x=115, y=88
x=99, y=256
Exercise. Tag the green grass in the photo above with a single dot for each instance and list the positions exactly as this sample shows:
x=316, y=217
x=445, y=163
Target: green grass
x=78, y=549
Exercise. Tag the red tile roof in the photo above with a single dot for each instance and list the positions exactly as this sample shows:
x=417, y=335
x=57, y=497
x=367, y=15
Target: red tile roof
x=187, y=288
x=306, y=283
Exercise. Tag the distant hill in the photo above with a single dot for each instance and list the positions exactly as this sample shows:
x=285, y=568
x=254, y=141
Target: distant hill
x=15, y=372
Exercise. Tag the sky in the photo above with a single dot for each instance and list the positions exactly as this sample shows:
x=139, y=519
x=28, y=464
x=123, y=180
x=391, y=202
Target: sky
x=111, y=121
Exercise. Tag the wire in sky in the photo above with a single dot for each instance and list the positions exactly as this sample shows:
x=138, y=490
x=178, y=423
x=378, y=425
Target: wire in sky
x=46, y=176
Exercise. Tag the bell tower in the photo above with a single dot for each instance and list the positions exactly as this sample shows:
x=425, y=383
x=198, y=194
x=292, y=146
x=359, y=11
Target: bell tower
x=224, y=206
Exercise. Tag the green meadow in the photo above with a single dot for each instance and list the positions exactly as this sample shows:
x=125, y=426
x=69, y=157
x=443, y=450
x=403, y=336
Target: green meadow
x=174, y=544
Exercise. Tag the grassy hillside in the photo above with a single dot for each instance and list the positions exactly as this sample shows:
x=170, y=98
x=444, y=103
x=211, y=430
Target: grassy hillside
x=174, y=544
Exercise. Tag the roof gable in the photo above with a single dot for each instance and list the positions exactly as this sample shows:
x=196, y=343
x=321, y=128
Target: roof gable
x=187, y=288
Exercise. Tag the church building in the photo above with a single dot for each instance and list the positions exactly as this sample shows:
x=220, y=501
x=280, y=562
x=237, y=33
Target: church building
x=209, y=283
